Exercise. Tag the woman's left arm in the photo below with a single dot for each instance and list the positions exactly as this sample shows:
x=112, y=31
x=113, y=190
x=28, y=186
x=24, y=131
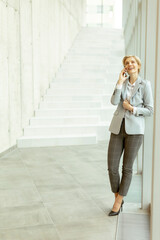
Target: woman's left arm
x=148, y=109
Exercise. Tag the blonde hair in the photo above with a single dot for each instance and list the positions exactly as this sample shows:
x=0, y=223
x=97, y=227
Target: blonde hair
x=136, y=58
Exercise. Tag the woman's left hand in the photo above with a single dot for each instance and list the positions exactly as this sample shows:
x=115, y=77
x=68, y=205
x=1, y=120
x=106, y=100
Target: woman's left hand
x=127, y=105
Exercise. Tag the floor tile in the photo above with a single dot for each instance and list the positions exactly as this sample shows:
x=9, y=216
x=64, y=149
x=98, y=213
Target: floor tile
x=45, y=171
x=89, y=229
x=61, y=180
x=15, y=181
x=97, y=190
x=62, y=195
x=24, y=216
x=42, y=232
x=90, y=178
x=70, y=212
x=13, y=155
x=19, y=197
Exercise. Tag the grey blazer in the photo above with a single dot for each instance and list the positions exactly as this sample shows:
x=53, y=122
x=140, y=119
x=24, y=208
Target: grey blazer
x=141, y=98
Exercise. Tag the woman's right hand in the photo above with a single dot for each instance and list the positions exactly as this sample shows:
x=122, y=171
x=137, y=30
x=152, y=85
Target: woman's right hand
x=122, y=78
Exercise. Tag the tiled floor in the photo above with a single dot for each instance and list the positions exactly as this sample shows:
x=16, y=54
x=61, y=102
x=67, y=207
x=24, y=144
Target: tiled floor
x=56, y=193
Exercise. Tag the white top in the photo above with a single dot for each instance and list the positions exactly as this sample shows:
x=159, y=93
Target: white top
x=129, y=92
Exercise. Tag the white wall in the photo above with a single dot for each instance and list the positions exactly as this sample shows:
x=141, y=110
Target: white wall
x=35, y=37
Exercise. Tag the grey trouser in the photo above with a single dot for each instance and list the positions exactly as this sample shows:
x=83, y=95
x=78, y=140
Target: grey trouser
x=130, y=144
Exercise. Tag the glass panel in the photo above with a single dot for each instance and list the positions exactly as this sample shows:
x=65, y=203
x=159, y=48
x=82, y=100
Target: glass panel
x=99, y=9
x=104, y=12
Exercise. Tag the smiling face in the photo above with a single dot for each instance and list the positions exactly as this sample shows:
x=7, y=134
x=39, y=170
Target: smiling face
x=131, y=65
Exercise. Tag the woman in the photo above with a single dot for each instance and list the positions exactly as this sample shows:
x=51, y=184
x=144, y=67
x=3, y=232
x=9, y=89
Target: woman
x=133, y=95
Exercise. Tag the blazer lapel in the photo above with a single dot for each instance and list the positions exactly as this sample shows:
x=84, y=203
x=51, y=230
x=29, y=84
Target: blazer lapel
x=124, y=89
x=137, y=86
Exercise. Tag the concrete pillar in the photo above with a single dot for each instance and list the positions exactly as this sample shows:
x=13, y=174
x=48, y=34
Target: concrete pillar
x=139, y=25
x=4, y=108
x=149, y=74
x=26, y=73
x=132, y=33
x=148, y=47
x=13, y=86
x=155, y=194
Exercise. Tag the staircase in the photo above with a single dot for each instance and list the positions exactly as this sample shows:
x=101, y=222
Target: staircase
x=76, y=109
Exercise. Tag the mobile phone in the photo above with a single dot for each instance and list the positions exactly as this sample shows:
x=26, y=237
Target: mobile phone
x=126, y=74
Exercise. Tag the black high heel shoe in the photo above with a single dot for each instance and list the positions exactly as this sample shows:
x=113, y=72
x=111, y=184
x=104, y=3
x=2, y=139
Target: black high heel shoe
x=112, y=213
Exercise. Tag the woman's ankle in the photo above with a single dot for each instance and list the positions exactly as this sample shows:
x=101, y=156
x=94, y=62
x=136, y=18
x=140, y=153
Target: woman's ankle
x=119, y=198
x=116, y=194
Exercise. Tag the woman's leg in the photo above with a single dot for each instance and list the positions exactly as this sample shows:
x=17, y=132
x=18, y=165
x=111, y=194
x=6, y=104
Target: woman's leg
x=117, y=203
x=131, y=146
x=116, y=194
x=115, y=150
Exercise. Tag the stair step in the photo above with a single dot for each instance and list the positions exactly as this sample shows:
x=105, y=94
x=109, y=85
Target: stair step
x=88, y=66
x=83, y=67
x=76, y=80
x=81, y=85
x=105, y=114
x=84, y=75
x=47, y=141
x=60, y=105
x=79, y=91
x=58, y=130
x=69, y=121
x=91, y=75
x=77, y=98
x=81, y=78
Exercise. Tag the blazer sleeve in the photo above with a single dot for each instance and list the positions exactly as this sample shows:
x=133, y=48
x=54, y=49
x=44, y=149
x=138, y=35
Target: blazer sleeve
x=116, y=96
x=147, y=109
